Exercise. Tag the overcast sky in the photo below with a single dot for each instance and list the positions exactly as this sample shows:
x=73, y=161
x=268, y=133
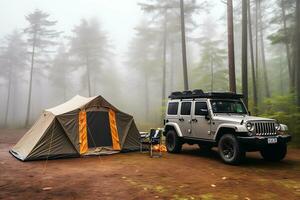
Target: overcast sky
x=118, y=17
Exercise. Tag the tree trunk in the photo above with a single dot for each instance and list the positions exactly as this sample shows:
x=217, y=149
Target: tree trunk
x=172, y=62
x=244, y=53
x=212, y=74
x=252, y=60
x=266, y=81
x=183, y=47
x=88, y=76
x=288, y=56
x=146, y=97
x=8, y=95
x=230, y=33
x=30, y=81
x=281, y=75
x=65, y=88
x=256, y=41
x=163, y=95
x=297, y=53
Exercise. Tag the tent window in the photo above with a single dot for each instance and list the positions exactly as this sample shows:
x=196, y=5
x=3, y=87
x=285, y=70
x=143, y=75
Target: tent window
x=98, y=129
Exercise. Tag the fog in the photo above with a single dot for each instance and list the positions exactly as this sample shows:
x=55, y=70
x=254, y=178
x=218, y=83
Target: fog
x=118, y=49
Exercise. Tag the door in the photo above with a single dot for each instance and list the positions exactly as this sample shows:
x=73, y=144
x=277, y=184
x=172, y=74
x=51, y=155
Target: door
x=98, y=129
x=200, y=122
x=185, y=118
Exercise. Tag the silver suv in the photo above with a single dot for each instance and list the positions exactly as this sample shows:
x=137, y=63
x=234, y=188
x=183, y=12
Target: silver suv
x=222, y=120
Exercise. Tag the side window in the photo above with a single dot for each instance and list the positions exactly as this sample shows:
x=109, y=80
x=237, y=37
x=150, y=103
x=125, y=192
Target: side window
x=185, y=108
x=172, y=108
x=200, y=108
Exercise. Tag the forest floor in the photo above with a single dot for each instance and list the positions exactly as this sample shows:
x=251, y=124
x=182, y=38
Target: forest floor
x=193, y=174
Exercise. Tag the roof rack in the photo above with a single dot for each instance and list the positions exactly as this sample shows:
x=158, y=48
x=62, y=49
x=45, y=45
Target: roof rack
x=200, y=94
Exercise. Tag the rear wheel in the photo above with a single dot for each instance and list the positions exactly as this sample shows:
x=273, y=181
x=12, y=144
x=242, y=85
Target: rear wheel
x=230, y=150
x=275, y=152
x=173, y=142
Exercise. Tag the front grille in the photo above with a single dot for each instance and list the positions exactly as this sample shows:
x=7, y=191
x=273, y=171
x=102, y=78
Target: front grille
x=264, y=128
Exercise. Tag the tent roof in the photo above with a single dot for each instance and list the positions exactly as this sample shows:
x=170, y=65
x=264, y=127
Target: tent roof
x=74, y=103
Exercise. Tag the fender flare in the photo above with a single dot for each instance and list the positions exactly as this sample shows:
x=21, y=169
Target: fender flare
x=236, y=127
x=176, y=127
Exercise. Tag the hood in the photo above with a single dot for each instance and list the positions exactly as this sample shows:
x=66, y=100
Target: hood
x=238, y=118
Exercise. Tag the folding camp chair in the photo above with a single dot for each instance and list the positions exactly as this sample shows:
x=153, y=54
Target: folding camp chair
x=144, y=140
x=155, y=139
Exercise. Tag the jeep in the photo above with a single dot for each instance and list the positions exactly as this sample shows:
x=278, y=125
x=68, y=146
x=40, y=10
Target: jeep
x=220, y=119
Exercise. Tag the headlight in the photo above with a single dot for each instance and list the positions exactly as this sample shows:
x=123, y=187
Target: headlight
x=249, y=126
x=277, y=126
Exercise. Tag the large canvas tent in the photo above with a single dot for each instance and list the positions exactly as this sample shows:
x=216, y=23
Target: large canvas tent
x=78, y=127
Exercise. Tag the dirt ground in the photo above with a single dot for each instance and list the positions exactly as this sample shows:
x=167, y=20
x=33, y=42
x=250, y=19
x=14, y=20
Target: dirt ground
x=193, y=174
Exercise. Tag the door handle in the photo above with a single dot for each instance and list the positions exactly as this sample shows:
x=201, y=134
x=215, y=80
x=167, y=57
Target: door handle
x=181, y=119
x=194, y=120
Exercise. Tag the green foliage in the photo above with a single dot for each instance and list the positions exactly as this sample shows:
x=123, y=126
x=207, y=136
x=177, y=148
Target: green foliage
x=40, y=30
x=213, y=61
x=284, y=109
x=90, y=50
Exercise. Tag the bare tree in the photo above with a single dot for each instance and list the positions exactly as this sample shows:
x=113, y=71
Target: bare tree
x=252, y=59
x=183, y=46
x=231, y=64
x=297, y=52
x=244, y=52
x=290, y=67
x=262, y=47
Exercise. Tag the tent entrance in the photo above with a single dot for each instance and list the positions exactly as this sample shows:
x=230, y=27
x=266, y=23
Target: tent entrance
x=98, y=129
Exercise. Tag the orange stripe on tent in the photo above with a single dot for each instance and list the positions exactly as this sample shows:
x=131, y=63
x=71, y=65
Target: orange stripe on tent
x=114, y=130
x=83, y=132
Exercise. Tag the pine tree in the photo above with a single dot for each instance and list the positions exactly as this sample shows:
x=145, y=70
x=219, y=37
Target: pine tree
x=13, y=59
x=163, y=13
x=40, y=36
x=59, y=71
x=142, y=57
x=90, y=49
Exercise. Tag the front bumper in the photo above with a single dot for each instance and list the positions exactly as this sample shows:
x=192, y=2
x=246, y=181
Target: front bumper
x=260, y=141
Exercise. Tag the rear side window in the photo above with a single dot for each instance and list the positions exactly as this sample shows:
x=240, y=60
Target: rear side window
x=172, y=108
x=185, y=108
x=200, y=108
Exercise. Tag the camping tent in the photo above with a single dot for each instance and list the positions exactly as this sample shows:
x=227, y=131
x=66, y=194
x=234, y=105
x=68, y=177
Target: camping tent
x=78, y=127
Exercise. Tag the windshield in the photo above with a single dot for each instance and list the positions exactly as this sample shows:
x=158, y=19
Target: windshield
x=228, y=106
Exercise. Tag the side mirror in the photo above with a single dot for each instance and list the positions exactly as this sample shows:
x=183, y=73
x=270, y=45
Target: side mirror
x=205, y=113
x=207, y=117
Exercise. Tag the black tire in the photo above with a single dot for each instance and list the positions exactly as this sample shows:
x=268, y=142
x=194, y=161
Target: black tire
x=173, y=142
x=230, y=150
x=274, y=153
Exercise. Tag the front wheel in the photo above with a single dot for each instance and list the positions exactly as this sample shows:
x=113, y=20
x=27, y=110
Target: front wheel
x=230, y=150
x=275, y=152
x=173, y=142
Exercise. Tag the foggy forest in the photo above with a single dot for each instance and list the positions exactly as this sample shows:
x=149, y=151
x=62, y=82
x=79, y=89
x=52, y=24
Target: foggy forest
x=250, y=47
